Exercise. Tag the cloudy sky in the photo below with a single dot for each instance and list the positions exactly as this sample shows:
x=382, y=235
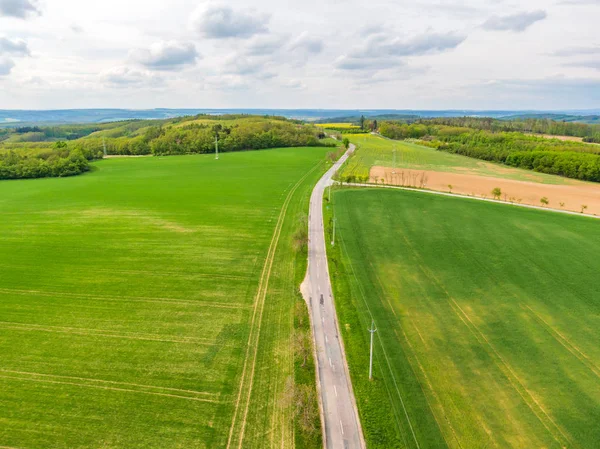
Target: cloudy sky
x=418, y=54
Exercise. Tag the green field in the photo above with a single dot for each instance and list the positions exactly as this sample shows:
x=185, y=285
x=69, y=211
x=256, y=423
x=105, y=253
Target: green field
x=488, y=321
x=378, y=151
x=153, y=303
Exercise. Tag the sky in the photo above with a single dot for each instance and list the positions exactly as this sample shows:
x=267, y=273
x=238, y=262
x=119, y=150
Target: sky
x=343, y=54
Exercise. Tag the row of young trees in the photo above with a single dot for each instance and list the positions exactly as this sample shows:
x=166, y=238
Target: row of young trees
x=570, y=159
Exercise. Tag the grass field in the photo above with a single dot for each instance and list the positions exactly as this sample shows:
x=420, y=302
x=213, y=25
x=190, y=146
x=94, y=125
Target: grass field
x=153, y=302
x=488, y=321
x=377, y=151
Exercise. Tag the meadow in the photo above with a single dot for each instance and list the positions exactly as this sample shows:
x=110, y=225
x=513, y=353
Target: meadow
x=378, y=151
x=487, y=321
x=153, y=303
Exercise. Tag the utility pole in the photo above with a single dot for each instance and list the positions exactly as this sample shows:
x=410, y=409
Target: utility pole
x=333, y=239
x=372, y=331
x=104, y=145
x=217, y=147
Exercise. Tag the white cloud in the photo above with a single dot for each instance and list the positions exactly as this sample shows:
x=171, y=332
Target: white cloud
x=383, y=51
x=265, y=45
x=6, y=65
x=424, y=54
x=19, y=8
x=14, y=47
x=577, y=51
x=293, y=84
x=593, y=64
x=171, y=55
x=516, y=22
x=222, y=21
x=127, y=77
x=308, y=43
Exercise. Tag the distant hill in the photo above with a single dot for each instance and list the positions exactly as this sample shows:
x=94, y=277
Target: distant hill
x=587, y=119
x=11, y=118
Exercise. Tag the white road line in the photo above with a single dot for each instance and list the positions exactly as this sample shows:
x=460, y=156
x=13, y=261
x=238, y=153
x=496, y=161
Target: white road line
x=335, y=389
x=341, y=426
x=330, y=364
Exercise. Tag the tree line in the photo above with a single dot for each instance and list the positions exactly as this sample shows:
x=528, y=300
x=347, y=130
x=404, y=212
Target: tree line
x=43, y=164
x=570, y=159
x=590, y=133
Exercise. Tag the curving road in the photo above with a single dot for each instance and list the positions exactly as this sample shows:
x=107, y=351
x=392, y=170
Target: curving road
x=338, y=407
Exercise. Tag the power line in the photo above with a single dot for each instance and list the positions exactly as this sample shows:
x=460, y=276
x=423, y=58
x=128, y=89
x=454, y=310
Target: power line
x=372, y=330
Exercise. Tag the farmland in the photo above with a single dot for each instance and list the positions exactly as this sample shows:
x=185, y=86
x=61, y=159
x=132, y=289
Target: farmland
x=486, y=338
x=420, y=166
x=153, y=303
x=376, y=151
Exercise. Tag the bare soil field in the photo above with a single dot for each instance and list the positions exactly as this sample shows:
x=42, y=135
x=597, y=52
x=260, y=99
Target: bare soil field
x=569, y=196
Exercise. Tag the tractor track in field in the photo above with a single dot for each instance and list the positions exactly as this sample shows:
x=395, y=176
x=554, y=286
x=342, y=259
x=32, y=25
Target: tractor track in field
x=564, y=342
x=247, y=377
x=108, y=334
x=534, y=405
x=112, y=386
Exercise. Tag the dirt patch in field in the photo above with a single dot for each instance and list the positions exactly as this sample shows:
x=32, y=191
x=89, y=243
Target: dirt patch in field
x=563, y=138
x=572, y=196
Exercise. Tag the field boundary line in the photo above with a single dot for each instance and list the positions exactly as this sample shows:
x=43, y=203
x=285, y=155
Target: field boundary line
x=106, y=333
x=125, y=298
x=102, y=387
x=456, y=195
x=574, y=350
x=112, y=382
x=254, y=334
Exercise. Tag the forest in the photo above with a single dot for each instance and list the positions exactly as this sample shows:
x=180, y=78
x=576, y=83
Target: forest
x=470, y=137
x=546, y=126
x=34, y=152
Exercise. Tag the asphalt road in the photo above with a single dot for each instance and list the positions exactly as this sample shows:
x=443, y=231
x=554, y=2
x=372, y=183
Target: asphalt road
x=338, y=406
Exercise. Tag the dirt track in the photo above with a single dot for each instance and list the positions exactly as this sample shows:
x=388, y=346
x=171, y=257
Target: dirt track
x=573, y=195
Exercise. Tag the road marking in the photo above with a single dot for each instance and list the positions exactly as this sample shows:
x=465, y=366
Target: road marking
x=335, y=389
x=330, y=364
x=341, y=426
